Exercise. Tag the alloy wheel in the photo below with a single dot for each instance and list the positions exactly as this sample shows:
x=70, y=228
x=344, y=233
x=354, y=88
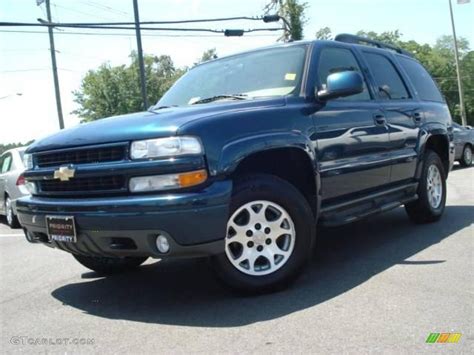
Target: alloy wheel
x=260, y=238
x=9, y=211
x=434, y=186
x=468, y=155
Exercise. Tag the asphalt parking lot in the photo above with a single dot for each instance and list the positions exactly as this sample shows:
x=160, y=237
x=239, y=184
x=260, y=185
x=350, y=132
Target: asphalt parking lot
x=381, y=285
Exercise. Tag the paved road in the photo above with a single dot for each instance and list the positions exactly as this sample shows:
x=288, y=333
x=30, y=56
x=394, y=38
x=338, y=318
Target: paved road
x=380, y=285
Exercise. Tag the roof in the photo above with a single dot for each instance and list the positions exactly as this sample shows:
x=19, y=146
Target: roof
x=341, y=38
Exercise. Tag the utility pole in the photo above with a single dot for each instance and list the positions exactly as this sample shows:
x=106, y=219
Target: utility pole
x=140, y=54
x=458, y=70
x=55, y=68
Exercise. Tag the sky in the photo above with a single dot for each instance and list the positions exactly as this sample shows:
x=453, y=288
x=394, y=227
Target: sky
x=25, y=62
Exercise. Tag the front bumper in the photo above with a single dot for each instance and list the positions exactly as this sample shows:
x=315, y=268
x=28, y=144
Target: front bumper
x=195, y=222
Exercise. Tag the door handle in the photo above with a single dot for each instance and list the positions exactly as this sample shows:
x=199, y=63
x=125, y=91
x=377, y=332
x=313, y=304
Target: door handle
x=417, y=116
x=359, y=133
x=380, y=119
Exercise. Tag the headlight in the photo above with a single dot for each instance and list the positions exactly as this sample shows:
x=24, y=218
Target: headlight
x=167, y=182
x=28, y=161
x=165, y=147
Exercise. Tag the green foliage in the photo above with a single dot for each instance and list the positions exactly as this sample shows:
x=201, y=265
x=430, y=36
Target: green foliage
x=5, y=147
x=324, y=33
x=392, y=37
x=208, y=55
x=467, y=71
x=109, y=91
x=439, y=61
x=294, y=12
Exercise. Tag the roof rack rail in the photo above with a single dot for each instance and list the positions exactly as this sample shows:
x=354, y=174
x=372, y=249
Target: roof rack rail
x=348, y=38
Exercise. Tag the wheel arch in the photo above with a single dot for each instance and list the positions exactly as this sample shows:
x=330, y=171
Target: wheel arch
x=288, y=156
x=437, y=139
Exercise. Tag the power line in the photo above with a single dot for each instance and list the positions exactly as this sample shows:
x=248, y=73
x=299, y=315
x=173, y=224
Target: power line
x=171, y=29
x=79, y=12
x=226, y=32
x=137, y=27
x=36, y=69
x=75, y=24
x=25, y=49
x=23, y=70
x=105, y=8
x=130, y=34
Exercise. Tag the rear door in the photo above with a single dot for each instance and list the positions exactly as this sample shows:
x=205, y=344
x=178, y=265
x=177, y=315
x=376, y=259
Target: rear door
x=403, y=112
x=351, y=134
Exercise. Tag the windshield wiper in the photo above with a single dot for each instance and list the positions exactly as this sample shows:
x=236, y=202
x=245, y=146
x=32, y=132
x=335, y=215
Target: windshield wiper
x=154, y=108
x=220, y=97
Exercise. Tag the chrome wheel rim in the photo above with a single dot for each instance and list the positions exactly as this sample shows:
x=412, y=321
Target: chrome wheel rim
x=9, y=211
x=260, y=238
x=468, y=155
x=434, y=186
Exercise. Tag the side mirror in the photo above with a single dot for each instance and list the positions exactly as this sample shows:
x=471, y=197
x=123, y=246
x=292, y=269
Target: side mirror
x=341, y=84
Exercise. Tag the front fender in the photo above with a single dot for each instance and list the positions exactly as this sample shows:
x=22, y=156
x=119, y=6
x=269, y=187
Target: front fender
x=236, y=151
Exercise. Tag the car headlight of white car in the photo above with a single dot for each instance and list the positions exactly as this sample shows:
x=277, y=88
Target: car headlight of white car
x=28, y=161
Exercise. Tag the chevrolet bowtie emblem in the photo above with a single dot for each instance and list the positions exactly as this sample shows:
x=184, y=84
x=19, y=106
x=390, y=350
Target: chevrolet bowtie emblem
x=64, y=173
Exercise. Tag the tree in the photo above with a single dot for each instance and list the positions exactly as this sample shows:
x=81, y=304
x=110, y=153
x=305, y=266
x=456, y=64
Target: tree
x=208, y=55
x=109, y=91
x=294, y=12
x=467, y=67
x=391, y=37
x=5, y=147
x=324, y=33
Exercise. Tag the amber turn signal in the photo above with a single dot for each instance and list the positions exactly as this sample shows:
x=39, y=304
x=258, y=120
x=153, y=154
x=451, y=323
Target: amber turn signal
x=192, y=178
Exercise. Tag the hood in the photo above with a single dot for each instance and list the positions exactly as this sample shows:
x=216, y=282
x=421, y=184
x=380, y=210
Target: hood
x=144, y=125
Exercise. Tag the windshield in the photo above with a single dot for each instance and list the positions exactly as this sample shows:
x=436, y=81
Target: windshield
x=264, y=73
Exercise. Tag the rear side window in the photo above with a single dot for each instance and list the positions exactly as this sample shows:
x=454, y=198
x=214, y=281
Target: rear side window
x=7, y=162
x=421, y=79
x=387, y=79
x=334, y=60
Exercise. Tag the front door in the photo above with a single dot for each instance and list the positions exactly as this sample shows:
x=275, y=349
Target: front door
x=351, y=133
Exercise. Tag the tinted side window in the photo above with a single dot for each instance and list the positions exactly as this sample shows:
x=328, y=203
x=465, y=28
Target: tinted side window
x=333, y=60
x=422, y=81
x=7, y=162
x=389, y=83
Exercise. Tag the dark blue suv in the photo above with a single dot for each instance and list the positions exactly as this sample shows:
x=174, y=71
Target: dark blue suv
x=242, y=158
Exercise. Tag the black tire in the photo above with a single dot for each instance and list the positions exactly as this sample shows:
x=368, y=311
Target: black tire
x=12, y=219
x=258, y=187
x=421, y=210
x=466, y=159
x=108, y=266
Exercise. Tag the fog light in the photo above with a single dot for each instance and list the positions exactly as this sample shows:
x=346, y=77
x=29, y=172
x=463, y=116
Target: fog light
x=162, y=244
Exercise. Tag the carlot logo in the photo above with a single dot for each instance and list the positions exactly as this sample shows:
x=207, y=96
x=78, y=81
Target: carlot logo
x=443, y=338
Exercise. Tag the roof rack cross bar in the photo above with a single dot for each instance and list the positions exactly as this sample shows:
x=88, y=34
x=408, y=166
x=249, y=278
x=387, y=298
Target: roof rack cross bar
x=348, y=38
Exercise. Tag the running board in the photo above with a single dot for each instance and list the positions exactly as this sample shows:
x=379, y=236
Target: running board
x=354, y=210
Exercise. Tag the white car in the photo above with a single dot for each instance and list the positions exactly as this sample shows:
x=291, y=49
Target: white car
x=12, y=183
